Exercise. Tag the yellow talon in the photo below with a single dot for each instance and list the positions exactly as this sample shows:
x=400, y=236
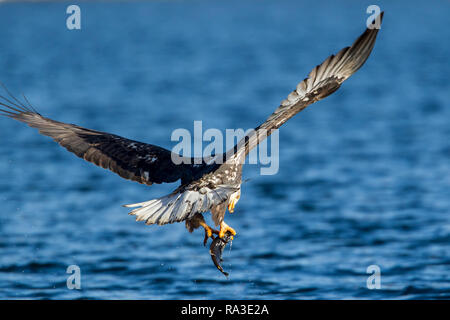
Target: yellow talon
x=234, y=198
x=224, y=228
x=208, y=232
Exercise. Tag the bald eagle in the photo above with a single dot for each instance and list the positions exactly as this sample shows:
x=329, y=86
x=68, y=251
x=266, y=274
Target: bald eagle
x=211, y=186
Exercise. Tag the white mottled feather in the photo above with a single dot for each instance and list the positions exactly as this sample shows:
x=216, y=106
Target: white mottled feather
x=181, y=205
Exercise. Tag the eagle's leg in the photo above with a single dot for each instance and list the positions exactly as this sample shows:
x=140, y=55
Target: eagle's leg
x=208, y=231
x=224, y=228
x=198, y=221
x=233, y=200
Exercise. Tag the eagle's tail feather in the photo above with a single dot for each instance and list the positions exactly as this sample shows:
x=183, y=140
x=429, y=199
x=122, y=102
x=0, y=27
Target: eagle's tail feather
x=181, y=205
x=167, y=209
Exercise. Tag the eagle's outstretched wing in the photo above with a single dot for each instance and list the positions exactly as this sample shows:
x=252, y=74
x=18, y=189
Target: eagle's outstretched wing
x=325, y=78
x=133, y=160
x=322, y=81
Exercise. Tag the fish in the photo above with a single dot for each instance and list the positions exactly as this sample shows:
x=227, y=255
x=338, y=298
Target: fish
x=216, y=250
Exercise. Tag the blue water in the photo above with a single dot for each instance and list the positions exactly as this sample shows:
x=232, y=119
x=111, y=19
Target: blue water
x=364, y=175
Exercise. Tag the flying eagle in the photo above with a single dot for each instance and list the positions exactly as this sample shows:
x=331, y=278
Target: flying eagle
x=210, y=186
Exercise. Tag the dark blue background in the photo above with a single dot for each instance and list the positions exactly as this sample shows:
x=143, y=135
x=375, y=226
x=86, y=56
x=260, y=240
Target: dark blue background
x=364, y=175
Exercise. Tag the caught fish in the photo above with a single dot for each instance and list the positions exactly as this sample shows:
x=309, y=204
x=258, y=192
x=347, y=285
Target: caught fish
x=216, y=250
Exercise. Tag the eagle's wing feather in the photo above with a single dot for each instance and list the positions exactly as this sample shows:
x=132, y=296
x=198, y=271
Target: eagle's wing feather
x=133, y=160
x=324, y=79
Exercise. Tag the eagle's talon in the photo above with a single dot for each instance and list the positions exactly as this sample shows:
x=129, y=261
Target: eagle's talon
x=234, y=198
x=209, y=234
x=205, y=241
x=224, y=228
